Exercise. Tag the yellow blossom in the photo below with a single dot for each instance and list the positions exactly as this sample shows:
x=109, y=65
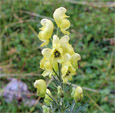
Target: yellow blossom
x=47, y=98
x=57, y=51
x=67, y=69
x=61, y=19
x=46, y=63
x=41, y=87
x=67, y=48
x=46, y=31
x=74, y=60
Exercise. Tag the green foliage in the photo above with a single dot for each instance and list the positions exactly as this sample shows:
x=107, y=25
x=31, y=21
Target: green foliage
x=91, y=30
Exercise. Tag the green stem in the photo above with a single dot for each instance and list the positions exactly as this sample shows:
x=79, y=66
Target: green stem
x=56, y=73
x=59, y=69
x=57, y=31
x=72, y=107
x=62, y=110
x=61, y=84
x=53, y=99
x=56, y=80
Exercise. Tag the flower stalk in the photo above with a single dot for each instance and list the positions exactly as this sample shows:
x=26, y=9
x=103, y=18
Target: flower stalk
x=59, y=62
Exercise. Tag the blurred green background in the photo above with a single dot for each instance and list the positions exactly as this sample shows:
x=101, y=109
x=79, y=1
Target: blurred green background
x=92, y=36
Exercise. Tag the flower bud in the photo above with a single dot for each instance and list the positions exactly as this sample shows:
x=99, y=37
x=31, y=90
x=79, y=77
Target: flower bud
x=74, y=60
x=60, y=92
x=45, y=109
x=77, y=94
x=47, y=98
x=41, y=87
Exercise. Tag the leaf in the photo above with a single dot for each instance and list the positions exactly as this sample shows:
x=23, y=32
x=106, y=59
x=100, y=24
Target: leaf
x=81, y=108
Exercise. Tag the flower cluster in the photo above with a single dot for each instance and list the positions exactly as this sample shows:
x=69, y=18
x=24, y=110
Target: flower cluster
x=61, y=52
x=61, y=57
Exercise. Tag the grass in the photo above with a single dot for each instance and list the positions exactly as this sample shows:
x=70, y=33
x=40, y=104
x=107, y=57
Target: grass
x=92, y=36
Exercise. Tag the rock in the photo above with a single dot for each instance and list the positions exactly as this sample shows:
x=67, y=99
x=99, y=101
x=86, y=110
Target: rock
x=17, y=90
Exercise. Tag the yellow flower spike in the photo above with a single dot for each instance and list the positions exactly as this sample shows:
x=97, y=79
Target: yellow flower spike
x=67, y=69
x=41, y=87
x=47, y=98
x=61, y=19
x=74, y=59
x=46, y=31
x=78, y=94
x=57, y=51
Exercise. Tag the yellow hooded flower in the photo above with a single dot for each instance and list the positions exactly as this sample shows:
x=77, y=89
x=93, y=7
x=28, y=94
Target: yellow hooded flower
x=67, y=48
x=57, y=51
x=77, y=93
x=47, y=64
x=47, y=98
x=74, y=60
x=46, y=31
x=67, y=69
x=41, y=87
x=60, y=19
